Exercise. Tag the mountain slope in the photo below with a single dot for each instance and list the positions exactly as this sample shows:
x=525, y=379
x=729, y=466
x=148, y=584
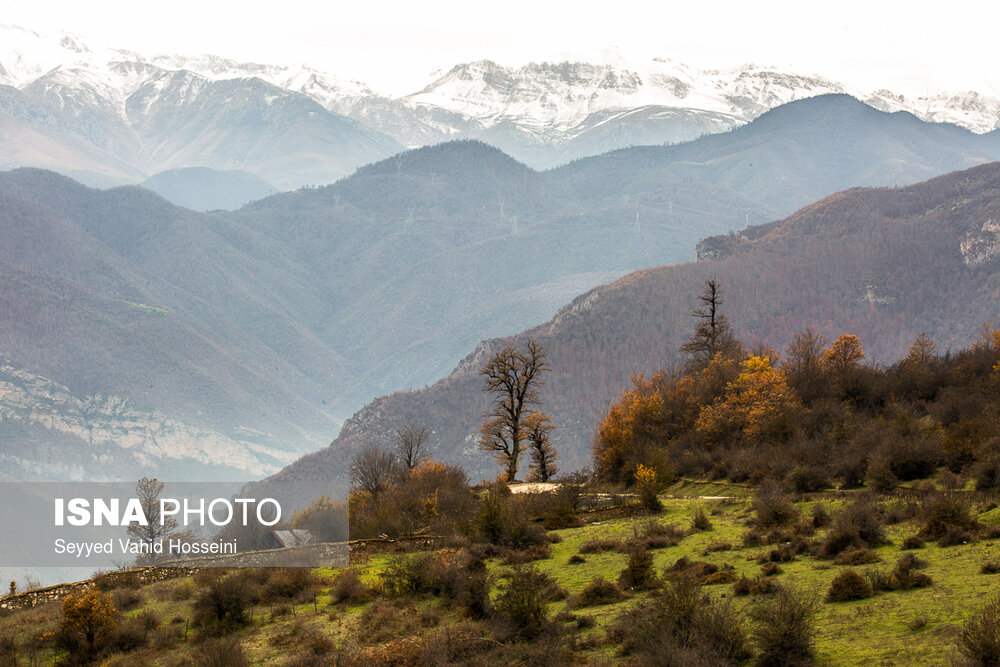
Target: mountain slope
x=203, y=189
x=292, y=312
x=792, y=155
x=120, y=294
x=413, y=228
x=881, y=263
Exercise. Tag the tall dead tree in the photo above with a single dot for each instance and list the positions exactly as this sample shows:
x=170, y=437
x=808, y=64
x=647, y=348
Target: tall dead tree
x=712, y=334
x=514, y=377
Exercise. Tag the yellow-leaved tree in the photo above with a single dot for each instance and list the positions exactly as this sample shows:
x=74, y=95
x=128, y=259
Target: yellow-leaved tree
x=757, y=405
x=88, y=615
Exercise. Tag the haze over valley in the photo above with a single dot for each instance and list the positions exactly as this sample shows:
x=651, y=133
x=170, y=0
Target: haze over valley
x=222, y=323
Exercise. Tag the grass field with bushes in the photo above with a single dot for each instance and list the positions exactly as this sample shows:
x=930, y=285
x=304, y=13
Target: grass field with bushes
x=834, y=578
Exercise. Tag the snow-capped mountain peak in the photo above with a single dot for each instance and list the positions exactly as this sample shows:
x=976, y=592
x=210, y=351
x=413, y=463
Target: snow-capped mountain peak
x=544, y=113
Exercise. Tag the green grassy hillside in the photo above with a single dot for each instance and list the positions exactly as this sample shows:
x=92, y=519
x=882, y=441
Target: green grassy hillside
x=382, y=610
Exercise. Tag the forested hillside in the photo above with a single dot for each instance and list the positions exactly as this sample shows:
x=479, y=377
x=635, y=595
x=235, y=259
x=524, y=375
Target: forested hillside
x=269, y=324
x=882, y=264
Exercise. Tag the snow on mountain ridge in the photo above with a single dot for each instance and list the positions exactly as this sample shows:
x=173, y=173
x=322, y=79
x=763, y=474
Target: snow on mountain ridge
x=548, y=103
x=561, y=96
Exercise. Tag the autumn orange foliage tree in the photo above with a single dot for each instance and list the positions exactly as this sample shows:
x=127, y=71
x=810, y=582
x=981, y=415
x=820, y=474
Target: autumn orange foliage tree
x=844, y=355
x=757, y=405
x=629, y=431
x=88, y=615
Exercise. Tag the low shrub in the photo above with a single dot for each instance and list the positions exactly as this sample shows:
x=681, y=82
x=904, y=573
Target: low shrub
x=384, y=620
x=820, y=517
x=576, y=559
x=784, y=629
x=861, y=556
x=599, y=591
x=683, y=568
x=527, y=554
x=407, y=574
x=770, y=569
x=807, y=479
x=429, y=617
x=759, y=585
x=599, y=546
x=979, y=640
x=639, y=574
x=944, y=513
x=347, y=588
x=723, y=576
x=848, y=585
x=682, y=626
x=522, y=603
x=772, y=506
x=904, y=575
x=127, y=599
x=656, y=535
x=986, y=473
x=716, y=546
x=9, y=652
x=953, y=536
x=990, y=567
x=907, y=572
x=701, y=521
x=127, y=637
x=222, y=653
x=913, y=542
x=147, y=619
x=879, y=476
x=286, y=583
x=224, y=603
x=855, y=526
x=784, y=554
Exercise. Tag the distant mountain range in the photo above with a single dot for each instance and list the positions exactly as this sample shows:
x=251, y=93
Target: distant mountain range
x=262, y=328
x=106, y=116
x=884, y=264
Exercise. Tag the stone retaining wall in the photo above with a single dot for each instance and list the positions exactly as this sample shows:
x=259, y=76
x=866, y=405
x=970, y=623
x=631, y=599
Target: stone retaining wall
x=114, y=579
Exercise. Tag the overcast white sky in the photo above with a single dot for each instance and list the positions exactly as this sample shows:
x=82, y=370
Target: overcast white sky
x=393, y=46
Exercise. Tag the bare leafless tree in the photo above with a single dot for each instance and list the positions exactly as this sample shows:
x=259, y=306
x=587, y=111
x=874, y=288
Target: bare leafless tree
x=514, y=377
x=411, y=445
x=543, y=453
x=373, y=469
x=713, y=333
x=158, y=527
